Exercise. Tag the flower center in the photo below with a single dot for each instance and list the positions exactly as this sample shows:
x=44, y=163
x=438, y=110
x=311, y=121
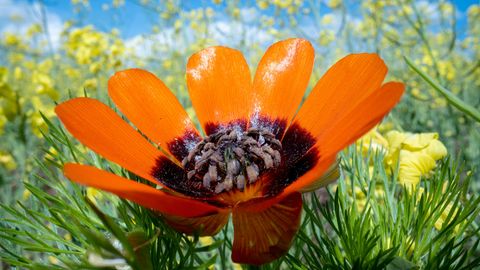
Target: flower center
x=232, y=158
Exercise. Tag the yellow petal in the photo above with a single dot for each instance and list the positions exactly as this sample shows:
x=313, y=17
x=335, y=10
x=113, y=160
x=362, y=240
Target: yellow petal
x=443, y=217
x=413, y=165
x=395, y=139
x=419, y=141
x=373, y=140
x=436, y=150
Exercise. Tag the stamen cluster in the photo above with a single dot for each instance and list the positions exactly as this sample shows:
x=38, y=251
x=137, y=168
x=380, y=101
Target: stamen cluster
x=232, y=158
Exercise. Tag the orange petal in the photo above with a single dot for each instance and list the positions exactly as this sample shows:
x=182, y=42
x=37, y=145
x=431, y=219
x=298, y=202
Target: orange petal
x=203, y=226
x=219, y=84
x=263, y=236
x=95, y=125
x=313, y=179
x=321, y=177
x=343, y=86
x=150, y=105
x=282, y=77
x=360, y=119
x=345, y=131
x=140, y=193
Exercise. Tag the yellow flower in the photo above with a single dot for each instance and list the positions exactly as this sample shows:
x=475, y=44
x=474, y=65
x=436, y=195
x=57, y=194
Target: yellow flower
x=7, y=161
x=206, y=240
x=236, y=13
x=374, y=141
x=3, y=121
x=410, y=245
x=51, y=153
x=326, y=37
x=34, y=29
x=38, y=124
x=53, y=260
x=473, y=11
x=67, y=237
x=167, y=64
x=44, y=85
x=26, y=194
x=262, y=4
x=95, y=67
x=90, y=84
x=118, y=3
x=327, y=19
x=413, y=166
x=93, y=194
x=209, y=12
x=443, y=217
x=334, y=3
x=17, y=73
x=72, y=73
x=415, y=154
x=12, y=40
x=283, y=3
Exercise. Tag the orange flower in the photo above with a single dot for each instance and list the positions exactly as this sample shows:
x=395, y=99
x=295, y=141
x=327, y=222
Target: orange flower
x=258, y=154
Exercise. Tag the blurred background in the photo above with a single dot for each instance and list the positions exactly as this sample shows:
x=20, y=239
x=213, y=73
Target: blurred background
x=52, y=50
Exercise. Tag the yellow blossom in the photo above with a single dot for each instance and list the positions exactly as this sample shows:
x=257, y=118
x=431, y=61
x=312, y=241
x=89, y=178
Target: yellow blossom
x=67, y=237
x=38, y=124
x=326, y=37
x=34, y=29
x=17, y=73
x=445, y=213
x=90, y=84
x=118, y=3
x=7, y=161
x=334, y=3
x=416, y=154
x=94, y=194
x=473, y=11
x=26, y=194
x=12, y=40
x=236, y=12
x=413, y=166
x=3, y=121
x=443, y=217
x=327, y=19
x=95, y=67
x=282, y=3
x=53, y=260
x=167, y=64
x=209, y=12
x=373, y=140
x=206, y=240
x=262, y=4
x=410, y=244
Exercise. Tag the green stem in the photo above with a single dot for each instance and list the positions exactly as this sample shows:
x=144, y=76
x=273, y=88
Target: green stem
x=451, y=98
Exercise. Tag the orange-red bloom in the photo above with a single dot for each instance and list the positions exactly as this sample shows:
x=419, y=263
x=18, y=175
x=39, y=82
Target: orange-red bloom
x=258, y=154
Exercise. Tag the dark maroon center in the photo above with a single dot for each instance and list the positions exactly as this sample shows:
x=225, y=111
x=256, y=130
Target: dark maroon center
x=232, y=158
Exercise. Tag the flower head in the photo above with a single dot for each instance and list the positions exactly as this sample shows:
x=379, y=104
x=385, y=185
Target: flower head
x=416, y=155
x=258, y=153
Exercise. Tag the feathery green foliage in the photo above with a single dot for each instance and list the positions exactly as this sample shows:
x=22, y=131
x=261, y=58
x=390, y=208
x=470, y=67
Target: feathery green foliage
x=60, y=227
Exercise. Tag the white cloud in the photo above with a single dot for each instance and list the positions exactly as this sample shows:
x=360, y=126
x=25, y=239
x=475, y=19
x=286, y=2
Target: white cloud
x=29, y=13
x=224, y=32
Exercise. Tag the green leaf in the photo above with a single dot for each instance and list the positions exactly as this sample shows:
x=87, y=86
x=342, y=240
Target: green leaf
x=399, y=263
x=141, y=246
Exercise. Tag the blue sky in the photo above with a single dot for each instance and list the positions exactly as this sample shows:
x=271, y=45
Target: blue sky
x=132, y=20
